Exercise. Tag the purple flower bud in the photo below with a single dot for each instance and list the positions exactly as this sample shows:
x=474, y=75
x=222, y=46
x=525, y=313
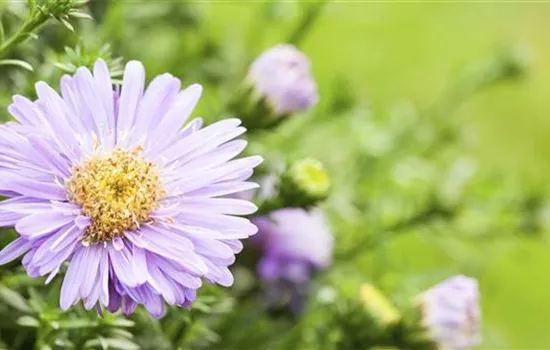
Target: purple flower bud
x=450, y=312
x=282, y=75
x=295, y=243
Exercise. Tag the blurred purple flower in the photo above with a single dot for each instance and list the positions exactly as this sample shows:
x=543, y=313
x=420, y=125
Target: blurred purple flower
x=111, y=184
x=282, y=75
x=295, y=243
x=450, y=312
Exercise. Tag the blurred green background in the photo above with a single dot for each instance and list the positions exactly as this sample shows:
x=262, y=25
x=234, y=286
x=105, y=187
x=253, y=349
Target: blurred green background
x=398, y=53
x=386, y=71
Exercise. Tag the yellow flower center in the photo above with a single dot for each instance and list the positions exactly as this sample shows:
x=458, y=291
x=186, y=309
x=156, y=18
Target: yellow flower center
x=118, y=191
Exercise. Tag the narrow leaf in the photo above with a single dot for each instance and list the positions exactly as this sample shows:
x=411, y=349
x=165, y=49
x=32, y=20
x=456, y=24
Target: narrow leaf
x=2, y=33
x=67, y=24
x=28, y=321
x=79, y=14
x=14, y=299
x=19, y=63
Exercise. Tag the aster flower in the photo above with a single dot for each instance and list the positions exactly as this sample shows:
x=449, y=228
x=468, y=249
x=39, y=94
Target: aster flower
x=109, y=183
x=450, y=312
x=295, y=243
x=282, y=75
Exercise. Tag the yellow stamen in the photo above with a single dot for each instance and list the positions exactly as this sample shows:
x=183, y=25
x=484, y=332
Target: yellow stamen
x=118, y=191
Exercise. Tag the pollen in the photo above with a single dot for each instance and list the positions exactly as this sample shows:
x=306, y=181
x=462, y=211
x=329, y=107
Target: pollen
x=117, y=190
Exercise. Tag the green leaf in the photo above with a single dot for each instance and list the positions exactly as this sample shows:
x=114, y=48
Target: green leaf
x=36, y=301
x=79, y=14
x=121, y=333
x=19, y=63
x=28, y=321
x=2, y=33
x=122, y=344
x=111, y=343
x=66, y=23
x=67, y=67
x=64, y=343
x=121, y=322
x=78, y=323
x=14, y=299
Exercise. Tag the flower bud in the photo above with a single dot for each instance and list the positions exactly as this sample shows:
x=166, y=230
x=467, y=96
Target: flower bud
x=378, y=305
x=280, y=84
x=304, y=183
x=450, y=312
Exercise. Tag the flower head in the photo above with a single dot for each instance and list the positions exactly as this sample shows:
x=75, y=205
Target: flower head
x=295, y=243
x=282, y=76
x=109, y=183
x=450, y=312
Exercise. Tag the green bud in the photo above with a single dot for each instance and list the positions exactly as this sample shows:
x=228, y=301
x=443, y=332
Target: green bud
x=305, y=183
x=378, y=305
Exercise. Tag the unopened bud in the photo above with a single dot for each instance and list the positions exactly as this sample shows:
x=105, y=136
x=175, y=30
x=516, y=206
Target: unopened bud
x=378, y=305
x=305, y=183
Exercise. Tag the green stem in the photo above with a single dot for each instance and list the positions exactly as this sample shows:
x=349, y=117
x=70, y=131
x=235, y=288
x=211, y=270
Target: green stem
x=371, y=242
x=31, y=25
x=306, y=23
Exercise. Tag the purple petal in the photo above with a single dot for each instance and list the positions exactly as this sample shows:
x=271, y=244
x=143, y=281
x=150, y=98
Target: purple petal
x=178, y=275
x=73, y=280
x=214, y=158
x=196, y=180
x=159, y=282
x=230, y=227
x=222, y=189
x=132, y=90
x=56, y=113
x=176, y=116
x=121, y=262
x=118, y=244
x=185, y=147
x=90, y=260
x=104, y=277
x=161, y=236
x=25, y=205
x=140, y=265
x=128, y=306
x=156, y=101
x=33, y=188
x=234, y=244
x=49, y=155
x=15, y=249
x=8, y=219
x=92, y=104
x=219, y=274
x=104, y=88
x=213, y=248
x=217, y=205
x=114, y=297
x=37, y=225
x=63, y=238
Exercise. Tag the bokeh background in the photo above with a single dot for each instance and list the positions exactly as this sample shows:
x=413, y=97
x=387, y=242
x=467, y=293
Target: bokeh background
x=432, y=122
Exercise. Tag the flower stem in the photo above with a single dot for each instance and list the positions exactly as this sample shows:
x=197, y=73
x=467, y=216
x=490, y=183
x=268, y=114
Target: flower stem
x=306, y=23
x=30, y=26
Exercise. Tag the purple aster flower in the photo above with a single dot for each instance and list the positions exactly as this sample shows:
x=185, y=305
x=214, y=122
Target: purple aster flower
x=451, y=313
x=295, y=244
x=110, y=184
x=282, y=75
